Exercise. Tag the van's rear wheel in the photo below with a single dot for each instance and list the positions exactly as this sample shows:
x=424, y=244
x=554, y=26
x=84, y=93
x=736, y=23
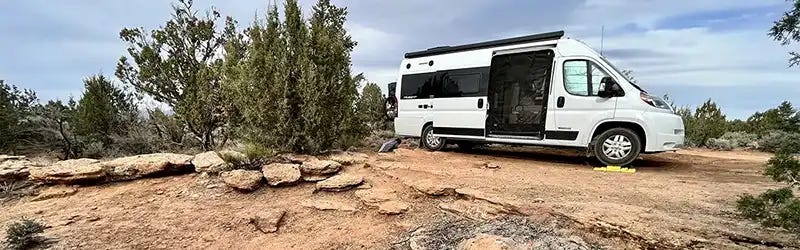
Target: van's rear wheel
x=617, y=147
x=431, y=142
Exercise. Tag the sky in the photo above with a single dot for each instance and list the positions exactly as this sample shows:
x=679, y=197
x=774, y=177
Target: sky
x=692, y=50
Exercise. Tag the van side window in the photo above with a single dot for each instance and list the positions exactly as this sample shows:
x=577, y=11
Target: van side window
x=582, y=77
x=460, y=85
x=418, y=86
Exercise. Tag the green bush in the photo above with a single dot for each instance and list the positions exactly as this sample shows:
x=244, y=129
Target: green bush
x=24, y=234
x=773, y=208
x=776, y=208
x=732, y=140
x=780, y=141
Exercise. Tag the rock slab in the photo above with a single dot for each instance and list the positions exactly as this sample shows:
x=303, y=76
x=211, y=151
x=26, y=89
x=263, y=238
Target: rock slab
x=342, y=182
x=55, y=192
x=281, y=173
x=328, y=205
x=70, y=172
x=15, y=167
x=135, y=167
x=489, y=242
x=268, y=222
x=245, y=180
x=320, y=167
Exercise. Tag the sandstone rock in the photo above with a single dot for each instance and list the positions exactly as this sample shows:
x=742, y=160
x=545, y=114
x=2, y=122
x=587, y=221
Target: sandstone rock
x=329, y=205
x=268, y=222
x=11, y=157
x=375, y=195
x=474, y=210
x=489, y=197
x=55, y=192
x=392, y=207
x=134, y=167
x=281, y=173
x=15, y=167
x=348, y=158
x=209, y=162
x=320, y=167
x=70, y=171
x=431, y=186
x=340, y=182
x=314, y=178
x=489, y=242
x=296, y=158
x=247, y=180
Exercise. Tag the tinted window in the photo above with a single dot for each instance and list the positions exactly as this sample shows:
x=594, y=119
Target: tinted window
x=582, y=77
x=418, y=86
x=458, y=85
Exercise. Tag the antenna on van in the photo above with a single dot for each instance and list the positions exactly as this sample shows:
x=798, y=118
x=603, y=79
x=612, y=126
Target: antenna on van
x=602, y=33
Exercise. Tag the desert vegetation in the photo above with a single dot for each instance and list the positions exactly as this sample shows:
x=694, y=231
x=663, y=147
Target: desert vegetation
x=283, y=84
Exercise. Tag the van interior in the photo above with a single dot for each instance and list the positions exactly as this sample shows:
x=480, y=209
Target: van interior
x=517, y=94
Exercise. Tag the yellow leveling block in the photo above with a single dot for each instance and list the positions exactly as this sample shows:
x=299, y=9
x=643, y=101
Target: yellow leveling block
x=616, y=169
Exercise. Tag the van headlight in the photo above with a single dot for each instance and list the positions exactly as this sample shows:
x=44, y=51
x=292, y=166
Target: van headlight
x=654, y=101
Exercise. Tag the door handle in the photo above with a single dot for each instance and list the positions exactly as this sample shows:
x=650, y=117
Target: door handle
x=560, y=102
x=480, y=103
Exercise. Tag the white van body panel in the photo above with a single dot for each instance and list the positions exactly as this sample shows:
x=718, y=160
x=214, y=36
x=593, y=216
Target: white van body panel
x=661, y=129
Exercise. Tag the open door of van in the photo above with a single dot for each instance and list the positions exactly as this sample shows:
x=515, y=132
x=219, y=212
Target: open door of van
x=519, y=84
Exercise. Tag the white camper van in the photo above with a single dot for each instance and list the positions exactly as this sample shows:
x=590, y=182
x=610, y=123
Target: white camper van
x=543, y=89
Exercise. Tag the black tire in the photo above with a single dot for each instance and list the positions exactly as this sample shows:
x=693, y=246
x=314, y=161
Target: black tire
x=616, y=147
x=429, y=144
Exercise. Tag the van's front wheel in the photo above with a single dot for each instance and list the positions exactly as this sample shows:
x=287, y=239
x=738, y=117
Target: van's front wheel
x=431, y=142
x=617, y=147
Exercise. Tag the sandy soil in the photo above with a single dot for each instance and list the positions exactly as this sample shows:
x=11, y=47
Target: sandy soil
x=674, y=200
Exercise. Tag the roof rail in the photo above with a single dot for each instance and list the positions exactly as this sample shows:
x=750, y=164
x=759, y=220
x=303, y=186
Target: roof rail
x=482, y=45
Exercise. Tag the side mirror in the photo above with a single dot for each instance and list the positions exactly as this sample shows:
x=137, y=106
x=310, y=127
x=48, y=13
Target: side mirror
x=610, y=88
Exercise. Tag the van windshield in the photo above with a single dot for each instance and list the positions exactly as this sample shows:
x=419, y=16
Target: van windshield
x=623, y=75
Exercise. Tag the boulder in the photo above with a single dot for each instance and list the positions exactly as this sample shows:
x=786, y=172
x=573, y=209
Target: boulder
x=210, y=162
x=340, y=182
x=246, y=180
x=134, y=167
x=55, y=192
x=281, y=173
x=320, y=167
x=15, y=168
x=70, y=171
x=269, y=221
x=490, y=242
x=348, y=158
x=326, y=205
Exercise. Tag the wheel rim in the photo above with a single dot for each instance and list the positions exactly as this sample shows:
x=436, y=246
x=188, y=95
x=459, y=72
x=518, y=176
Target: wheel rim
x=433, y=141
x=617, y=147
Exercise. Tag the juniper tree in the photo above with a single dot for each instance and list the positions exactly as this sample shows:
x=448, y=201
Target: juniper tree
x=103, y=110
x=16, y=106
x=371, y=106
x=708, y=122
x=178, y=65
x=330, y=96
x=787, y=30
x=297, y=75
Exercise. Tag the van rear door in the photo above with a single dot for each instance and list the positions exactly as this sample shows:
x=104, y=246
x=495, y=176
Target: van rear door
x=415, y=102
x=459, y=108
